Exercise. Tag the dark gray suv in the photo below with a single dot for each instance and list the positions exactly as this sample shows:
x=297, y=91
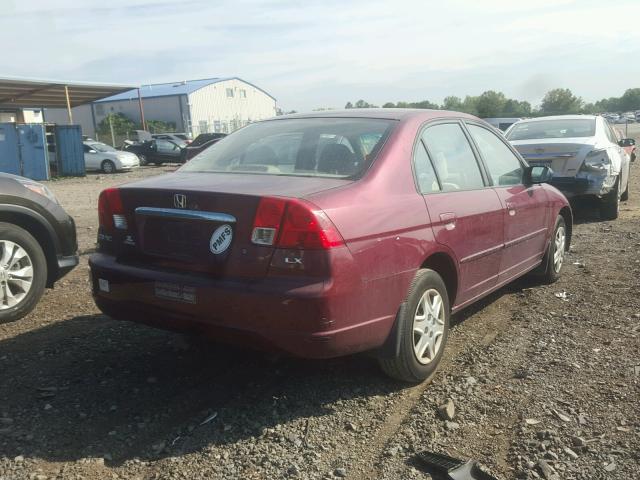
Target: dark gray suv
x=37, y=244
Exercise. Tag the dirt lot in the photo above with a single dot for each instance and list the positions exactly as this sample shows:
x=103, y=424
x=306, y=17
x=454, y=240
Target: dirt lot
x=533, y=377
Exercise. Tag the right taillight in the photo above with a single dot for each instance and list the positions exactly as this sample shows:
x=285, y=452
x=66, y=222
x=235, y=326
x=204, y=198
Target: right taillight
x=293, y=223
x=110, y=211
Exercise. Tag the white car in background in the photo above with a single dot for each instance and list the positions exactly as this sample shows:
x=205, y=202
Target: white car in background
x=105, y=158
x=584, y=153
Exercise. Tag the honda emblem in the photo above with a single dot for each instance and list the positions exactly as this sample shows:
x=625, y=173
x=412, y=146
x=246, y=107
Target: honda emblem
x=180, y=200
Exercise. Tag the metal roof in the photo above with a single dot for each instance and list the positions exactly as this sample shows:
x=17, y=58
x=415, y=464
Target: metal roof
x=184, y=87
x=36, y=93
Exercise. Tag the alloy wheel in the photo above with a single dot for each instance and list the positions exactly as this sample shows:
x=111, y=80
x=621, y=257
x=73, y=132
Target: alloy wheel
x=16, y=274
x=428, y=326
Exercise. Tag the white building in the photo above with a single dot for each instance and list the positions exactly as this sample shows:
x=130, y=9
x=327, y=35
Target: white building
x=196, y=106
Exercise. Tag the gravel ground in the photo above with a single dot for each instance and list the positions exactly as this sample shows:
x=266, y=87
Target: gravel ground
x=542, y=387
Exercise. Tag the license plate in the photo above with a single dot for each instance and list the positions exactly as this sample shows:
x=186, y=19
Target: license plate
x=175, y=292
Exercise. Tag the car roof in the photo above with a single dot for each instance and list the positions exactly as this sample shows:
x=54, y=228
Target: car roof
x=379, y=113
x=560, y=117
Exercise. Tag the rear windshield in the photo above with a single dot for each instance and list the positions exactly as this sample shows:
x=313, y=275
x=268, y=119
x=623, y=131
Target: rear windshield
x=561, y=128
x=322, y=147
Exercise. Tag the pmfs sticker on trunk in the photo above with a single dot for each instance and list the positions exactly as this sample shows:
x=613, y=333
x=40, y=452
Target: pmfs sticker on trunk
x=221, y=239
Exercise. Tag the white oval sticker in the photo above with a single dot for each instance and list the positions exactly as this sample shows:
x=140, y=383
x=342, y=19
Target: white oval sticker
x=221, y=239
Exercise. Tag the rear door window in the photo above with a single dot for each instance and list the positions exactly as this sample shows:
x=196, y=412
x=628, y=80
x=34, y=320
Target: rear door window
x=504, y=167
x=452, y=157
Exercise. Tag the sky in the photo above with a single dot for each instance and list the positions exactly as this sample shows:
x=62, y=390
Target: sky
x=321, y=54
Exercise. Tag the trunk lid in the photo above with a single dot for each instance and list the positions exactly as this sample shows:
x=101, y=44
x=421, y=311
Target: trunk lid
x=202, y=222
x=563, y=155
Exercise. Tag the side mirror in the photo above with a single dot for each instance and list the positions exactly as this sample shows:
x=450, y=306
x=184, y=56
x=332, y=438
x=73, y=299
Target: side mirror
x=537, y=174
x=627, y=142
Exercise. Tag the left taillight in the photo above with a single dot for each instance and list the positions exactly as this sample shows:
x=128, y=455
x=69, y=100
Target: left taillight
x=293, y=223
x=111, y=211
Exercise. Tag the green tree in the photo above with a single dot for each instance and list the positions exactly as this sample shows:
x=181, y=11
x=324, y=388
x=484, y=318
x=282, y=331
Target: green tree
x=452, y=103
x=630, y=100
x=121, y=124
x=516, y=108
x=560, y=101
x=470, y=105
x=425, y=104
x=389, y=105
x=349, y=105
x=490, y=104
x=158, y=126
x=363, y=104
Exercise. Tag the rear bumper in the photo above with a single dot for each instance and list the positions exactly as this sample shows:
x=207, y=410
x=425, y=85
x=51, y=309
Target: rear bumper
x=306, y=318
x=583, y=184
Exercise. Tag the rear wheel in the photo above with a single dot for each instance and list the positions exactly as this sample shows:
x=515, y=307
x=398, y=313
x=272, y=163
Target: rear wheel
x=610, y=204
x=23, y=272
x=108, y=166
x=554, y=258
x=422, y=327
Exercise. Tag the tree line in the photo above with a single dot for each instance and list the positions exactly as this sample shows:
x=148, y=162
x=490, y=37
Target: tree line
x=559, y=101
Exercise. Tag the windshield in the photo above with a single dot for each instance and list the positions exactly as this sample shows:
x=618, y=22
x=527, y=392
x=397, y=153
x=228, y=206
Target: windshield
x=323, y=147
x=561, y=128
x=102, y=147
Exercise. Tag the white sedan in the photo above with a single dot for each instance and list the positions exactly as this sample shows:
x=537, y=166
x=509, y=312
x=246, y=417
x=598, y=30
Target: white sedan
x=103, y=157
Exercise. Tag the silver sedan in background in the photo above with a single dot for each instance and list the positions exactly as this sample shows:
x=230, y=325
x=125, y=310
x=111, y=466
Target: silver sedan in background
x=584, y=153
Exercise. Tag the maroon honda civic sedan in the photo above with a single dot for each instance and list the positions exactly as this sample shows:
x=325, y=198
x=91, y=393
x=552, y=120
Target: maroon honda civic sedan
x=332, y=233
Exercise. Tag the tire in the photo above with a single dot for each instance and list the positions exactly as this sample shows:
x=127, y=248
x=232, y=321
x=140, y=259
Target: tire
x=610, y=205
x=549, y=271
x=143, y=160
x=406, y=364
x=107, y=166
x=19, y=251
x=157, y=163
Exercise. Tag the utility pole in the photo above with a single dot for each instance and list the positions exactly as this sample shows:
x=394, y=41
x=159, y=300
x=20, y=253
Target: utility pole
x=142, y=121
x=113, y=137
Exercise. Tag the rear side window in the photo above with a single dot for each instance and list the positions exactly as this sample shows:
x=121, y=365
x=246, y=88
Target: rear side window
x=452, y=157
x=323, y=147
x=504, y=167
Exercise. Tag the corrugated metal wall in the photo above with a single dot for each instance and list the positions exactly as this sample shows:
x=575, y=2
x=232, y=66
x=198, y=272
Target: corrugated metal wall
x=212, y=109
x=22, y=150
x=69, y=151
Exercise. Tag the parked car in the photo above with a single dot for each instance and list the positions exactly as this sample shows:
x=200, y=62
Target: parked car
x=105, y=158
x=584, y=153
x=37, y=244
x=181, y=139
x=201, y=142
x=156, y=151
x=502, y=123
x=332, y=233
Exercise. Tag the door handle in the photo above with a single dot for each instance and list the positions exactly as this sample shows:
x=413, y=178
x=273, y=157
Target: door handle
x=511, y=208
x=449, y=220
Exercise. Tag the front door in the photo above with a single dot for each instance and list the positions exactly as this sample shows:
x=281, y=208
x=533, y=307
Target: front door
x=525, y=207
x=466, y=215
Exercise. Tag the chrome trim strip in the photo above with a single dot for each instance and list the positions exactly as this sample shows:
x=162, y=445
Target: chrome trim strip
x=185, y=214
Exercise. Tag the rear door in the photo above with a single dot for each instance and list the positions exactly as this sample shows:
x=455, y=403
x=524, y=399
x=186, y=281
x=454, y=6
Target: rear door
x=526, y=212
x=466, y=216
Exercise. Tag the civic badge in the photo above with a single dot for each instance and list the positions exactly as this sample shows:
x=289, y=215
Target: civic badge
x=221, y=239
x=180, y=200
